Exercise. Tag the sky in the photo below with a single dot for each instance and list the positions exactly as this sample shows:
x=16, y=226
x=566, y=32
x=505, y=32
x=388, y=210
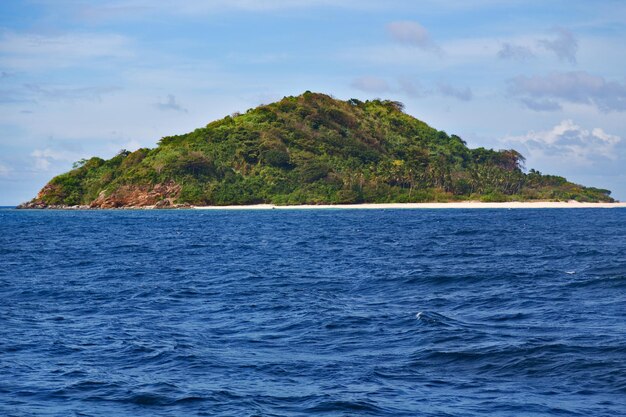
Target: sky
x=89, y=78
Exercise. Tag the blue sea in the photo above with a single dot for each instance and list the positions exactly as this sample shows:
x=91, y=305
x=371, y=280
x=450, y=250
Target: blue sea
x=313, y=313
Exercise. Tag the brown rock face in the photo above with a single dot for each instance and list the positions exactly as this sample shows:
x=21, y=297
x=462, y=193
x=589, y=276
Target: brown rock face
x=37, y=202
x=159, y=195
x=47, y=189
x=127, y=196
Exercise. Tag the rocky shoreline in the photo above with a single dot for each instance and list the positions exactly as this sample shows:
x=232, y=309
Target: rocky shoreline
x=43, y=206
x=127, y=196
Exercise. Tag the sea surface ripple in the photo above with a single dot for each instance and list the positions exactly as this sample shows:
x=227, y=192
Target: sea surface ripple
x=314, y=312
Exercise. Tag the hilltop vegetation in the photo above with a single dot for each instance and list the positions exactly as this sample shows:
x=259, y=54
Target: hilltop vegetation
x=309, y=149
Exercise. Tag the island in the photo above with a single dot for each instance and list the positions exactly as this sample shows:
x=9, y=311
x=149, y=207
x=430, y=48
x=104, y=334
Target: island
x=310, y=149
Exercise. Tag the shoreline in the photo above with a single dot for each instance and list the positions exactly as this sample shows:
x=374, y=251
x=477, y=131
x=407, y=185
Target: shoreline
x=451, y=205
x=364, y=206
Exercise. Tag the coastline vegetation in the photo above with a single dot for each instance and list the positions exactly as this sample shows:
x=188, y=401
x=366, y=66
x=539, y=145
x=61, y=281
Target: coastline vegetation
x=311, y=149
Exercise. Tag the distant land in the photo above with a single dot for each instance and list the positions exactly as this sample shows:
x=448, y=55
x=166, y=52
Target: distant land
x=310, y=149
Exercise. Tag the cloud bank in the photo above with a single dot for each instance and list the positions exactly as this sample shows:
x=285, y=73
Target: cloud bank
x=549, y=92
x=570, y=142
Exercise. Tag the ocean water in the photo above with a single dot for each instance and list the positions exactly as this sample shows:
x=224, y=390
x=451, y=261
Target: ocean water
x=320, y=312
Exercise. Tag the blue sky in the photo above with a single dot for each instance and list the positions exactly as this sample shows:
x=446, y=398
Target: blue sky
x=84, y=78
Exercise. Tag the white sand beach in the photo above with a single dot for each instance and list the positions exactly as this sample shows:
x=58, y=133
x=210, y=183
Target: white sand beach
x=454, y=205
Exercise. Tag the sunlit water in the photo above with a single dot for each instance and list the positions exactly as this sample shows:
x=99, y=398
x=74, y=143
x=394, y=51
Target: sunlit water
x=329, y=312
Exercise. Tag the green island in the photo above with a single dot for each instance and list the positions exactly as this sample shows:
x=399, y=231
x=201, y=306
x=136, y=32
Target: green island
x=308, y=149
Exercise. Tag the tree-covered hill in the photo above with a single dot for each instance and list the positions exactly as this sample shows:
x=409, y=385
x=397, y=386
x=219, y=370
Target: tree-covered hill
x=309, y=149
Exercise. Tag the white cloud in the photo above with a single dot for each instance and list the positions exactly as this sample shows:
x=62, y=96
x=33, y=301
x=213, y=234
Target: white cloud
x=460, y=93
x=540, y=104
x=36, y=93
x=371, y=85
x=564, y=46
x=68, y=93
x=454, y=53
x=413, y=34
x=4, y=171
x=44, y=158
x=569, y=142
x=546, y=92
x=171, y=104
x=28, y=51
x=411, y=88
x=512, y=51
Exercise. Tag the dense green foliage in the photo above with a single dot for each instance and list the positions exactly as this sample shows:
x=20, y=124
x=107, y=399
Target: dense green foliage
x=315, y=149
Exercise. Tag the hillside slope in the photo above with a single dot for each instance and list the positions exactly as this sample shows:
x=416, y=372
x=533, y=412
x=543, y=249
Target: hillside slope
x=308, y=149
